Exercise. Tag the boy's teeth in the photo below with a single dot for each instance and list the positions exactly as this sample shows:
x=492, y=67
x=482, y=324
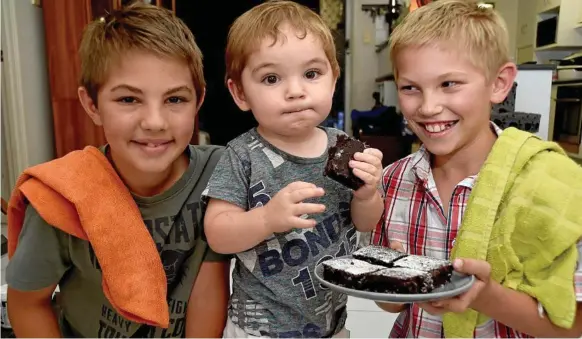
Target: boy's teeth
x=436, y=128
x=151, y=145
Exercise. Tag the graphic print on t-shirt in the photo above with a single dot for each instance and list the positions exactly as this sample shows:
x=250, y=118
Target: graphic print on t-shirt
x=275, y=292
x=173, y=236
x=291, y=254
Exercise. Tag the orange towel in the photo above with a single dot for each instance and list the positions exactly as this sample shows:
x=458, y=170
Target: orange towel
x=82, y=195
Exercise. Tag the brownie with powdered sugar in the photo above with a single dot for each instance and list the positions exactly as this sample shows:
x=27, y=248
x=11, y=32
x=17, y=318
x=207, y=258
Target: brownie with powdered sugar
x=338, y=161
x=378, y=255
x=383, y=270
x=398, y=280
x=440, y=270
x=348, y=272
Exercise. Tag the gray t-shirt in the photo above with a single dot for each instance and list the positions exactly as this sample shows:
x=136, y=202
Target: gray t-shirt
x=275, y=292
x=46, y=256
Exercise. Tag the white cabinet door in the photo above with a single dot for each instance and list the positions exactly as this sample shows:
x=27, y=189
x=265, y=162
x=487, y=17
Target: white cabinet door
x=546, y=5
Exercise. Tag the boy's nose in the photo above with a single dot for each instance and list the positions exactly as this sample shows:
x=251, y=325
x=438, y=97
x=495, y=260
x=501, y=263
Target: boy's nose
x=294, y=90
x=154, y=119
x=431, y=105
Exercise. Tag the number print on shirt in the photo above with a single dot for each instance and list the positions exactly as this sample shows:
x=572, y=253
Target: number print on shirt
x=256, y=196
x=303, y=277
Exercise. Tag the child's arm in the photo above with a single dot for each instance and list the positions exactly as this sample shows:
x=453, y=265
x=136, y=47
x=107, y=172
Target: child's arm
x=208, y=303
x=520, y=312
x=514, y=309
x=367, y=204
x=231, y=229
x=31, y=313
x=366, y=213
x=33, y=272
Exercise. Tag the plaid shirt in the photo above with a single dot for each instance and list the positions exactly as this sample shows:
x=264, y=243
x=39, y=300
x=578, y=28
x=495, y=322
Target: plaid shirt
x=414, y=216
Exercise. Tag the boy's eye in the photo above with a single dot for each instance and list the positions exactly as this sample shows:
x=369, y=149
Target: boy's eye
x=176, y=100
x=407, y=88
x=127, y=100
x=312, y=74
x=447, y=84
x=270, y=79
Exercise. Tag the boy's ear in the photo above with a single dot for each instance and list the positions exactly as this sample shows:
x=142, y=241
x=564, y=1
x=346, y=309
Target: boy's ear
x=201, y=99
x=503, y=82
x=238, y=95
x=89, y=105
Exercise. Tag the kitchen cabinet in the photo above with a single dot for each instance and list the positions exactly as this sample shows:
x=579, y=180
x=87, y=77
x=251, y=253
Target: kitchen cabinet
x=547, y=5
x=567, y=13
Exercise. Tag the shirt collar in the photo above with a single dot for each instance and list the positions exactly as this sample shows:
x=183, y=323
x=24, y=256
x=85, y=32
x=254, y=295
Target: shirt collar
x=421, y=158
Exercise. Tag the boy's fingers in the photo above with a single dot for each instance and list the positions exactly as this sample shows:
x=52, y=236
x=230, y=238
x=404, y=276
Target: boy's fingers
x=432, y=309
x=368, y=158
x=397, y=246
x=297, y=185
x=299, y=222
x=364, y=166
x=365, y=176
x=308, y=208
x=479, y=268
x=301, y=194
x=375, y=152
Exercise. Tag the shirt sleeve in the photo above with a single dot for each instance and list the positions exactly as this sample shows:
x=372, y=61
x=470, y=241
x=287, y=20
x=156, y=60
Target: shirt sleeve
x=229, y=181
x=216, y=257
x=41, y=257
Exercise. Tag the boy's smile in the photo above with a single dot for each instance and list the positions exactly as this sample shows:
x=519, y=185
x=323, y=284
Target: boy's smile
x=444, y=97
x=147, y=107
x=153, y=147
x=438, y=128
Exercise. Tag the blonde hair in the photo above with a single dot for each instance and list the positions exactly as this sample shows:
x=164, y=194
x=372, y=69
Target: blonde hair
x=263, y=21
x=140, y=27
x=478, y=32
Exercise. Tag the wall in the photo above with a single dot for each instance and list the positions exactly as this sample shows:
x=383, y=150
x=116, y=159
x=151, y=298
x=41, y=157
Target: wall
x=508, y=10
x=26, y=111
x=363, y=64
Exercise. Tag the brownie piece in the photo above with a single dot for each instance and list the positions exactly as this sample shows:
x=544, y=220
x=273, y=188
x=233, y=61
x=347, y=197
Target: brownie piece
x=398, y=280
x=440, y=270
x=339, y=156
x=347, y=272
x=378, y=255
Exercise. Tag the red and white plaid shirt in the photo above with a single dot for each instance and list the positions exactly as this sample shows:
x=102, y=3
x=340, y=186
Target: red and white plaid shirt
x=414, y=216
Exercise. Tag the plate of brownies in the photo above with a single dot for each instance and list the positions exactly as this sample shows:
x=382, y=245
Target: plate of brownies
x=382, y=274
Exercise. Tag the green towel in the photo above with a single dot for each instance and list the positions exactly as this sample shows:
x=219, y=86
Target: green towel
x=526, y=205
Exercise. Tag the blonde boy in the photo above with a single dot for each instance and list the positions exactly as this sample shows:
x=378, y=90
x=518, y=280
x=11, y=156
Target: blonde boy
x=142, y=81
x=269, y=201
x=503, y=204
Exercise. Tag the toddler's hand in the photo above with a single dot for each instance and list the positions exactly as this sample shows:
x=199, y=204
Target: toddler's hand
x=286, y=210
x=368, y=167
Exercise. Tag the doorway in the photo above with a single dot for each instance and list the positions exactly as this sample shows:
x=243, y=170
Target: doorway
x=219, y=116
